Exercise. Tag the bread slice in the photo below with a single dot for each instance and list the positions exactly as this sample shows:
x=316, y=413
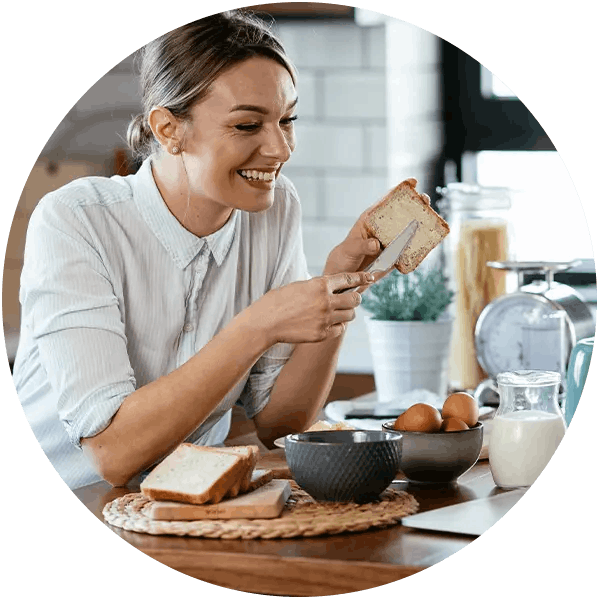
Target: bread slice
x=250, y=452
x=260, y=477
x=195, y=475
x=395, y=211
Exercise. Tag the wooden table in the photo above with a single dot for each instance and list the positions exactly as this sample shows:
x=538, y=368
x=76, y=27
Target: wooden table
x=309, y=566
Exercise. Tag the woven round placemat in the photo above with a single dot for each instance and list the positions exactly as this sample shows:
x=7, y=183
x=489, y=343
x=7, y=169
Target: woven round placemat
x=302, y=516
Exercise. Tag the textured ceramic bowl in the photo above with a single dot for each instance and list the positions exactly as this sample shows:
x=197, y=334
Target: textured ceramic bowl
x=344, y=466
x=438, y=457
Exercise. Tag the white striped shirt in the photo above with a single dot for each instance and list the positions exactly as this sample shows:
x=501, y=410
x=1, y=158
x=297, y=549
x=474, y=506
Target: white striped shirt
x=116, y=293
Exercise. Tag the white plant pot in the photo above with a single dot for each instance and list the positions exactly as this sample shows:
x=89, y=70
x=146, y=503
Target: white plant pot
x=409, y=355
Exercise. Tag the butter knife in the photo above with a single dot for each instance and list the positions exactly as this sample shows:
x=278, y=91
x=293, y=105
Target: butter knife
x=390, y=255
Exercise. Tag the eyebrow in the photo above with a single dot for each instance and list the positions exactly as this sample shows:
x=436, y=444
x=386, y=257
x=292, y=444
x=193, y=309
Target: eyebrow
x=258, y=109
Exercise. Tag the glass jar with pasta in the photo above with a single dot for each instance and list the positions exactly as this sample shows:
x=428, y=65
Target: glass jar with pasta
x=480, y=232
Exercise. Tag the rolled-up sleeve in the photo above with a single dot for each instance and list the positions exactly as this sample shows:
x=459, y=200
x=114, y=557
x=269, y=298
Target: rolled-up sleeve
x=75, y=320
x=256, y=393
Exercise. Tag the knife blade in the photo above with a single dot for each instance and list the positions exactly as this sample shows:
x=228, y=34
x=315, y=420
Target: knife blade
x=390, y=255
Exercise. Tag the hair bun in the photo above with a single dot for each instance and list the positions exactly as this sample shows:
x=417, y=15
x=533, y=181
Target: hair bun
x=139, y=136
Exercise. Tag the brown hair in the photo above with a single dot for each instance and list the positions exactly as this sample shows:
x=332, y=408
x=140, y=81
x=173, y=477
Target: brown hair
x=178, y=68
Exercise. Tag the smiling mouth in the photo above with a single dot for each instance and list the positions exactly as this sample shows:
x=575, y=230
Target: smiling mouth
x=257, y=175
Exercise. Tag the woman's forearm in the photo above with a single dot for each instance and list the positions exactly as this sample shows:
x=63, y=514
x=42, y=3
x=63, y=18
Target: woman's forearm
x=154, y=419
x=300, y=391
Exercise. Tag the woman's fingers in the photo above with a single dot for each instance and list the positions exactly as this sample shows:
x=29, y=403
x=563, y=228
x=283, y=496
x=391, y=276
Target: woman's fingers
x=347, y=300
x=342, y=316
x=349, y=280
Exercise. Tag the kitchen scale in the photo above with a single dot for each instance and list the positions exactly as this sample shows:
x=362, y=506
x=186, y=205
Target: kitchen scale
x=513, y=331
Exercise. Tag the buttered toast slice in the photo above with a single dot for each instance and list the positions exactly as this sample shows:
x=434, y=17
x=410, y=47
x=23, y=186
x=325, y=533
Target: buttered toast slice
x=396, y=210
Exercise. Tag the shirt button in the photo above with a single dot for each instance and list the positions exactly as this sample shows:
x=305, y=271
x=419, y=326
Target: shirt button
x=188, y=327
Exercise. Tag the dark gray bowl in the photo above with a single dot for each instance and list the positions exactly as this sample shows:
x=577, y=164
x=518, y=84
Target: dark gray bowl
x=438, y=457
x=343, y=466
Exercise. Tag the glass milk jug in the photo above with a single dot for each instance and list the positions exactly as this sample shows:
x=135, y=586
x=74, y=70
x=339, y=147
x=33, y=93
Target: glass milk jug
x=480, y=231
x=527, y=428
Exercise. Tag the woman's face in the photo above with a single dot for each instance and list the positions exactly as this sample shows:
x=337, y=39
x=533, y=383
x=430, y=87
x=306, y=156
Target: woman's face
x=240, y=135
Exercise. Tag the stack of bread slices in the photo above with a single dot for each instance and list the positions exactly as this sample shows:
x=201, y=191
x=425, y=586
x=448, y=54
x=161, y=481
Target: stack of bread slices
x=205, y=475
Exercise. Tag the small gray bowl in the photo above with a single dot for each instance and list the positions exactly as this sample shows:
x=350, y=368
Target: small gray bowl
x=438, y=457
x=343, y=466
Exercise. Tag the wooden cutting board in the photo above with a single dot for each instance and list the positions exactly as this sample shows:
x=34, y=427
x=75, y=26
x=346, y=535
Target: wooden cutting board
x=264, y=502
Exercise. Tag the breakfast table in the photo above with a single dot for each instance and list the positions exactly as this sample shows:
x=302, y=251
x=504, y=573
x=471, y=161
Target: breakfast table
x=320, y=565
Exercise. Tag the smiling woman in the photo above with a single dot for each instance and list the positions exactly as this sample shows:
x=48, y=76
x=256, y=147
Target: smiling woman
x=153, y=303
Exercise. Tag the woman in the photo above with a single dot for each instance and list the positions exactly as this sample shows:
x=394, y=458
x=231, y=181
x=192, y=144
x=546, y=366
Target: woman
x=153, y=303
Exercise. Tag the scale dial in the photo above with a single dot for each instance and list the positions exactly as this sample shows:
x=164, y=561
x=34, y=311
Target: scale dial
x=499, y=330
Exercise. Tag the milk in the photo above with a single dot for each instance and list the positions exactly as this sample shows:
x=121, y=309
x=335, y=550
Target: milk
x=521, y=444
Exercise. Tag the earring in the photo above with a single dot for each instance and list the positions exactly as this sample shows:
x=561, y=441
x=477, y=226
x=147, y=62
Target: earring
x=175, y=149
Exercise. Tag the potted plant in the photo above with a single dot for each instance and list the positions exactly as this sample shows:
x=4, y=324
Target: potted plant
x=409, y=331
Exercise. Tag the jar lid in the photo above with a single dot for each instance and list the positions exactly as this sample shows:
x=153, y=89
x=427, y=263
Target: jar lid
x=529, y=378
x=476, y=197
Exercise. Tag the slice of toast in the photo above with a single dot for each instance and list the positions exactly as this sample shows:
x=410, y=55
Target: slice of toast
x=250, y=452
x=196, y=475
x=395, y=211
x=260, y=477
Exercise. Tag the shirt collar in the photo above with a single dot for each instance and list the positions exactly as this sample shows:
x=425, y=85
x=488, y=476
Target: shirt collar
x=181, y=244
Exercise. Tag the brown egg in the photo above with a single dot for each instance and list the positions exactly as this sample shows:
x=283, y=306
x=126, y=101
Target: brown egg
x=453, y=424
x=398, y=424
x=461, y=406
x=420, y=417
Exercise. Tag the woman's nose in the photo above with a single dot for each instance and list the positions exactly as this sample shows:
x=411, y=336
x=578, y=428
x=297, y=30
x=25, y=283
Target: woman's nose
x=278, y=144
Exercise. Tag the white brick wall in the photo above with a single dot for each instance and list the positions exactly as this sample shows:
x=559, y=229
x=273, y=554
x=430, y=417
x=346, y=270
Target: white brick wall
x=325, y=145
x=319, y=238
x=348, y=195
x=350, y=93
x=415, y=128
x=327, y=45
x=307, y=92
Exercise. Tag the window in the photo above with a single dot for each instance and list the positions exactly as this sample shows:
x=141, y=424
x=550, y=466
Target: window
x=547, y=217
x=493, y=88
x=493, y=140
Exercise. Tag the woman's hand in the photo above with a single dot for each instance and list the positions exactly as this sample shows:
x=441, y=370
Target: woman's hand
x=310, y=311
x=356, y=251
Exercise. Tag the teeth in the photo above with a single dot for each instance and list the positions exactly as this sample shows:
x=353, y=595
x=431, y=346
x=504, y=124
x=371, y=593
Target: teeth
x=256, y=175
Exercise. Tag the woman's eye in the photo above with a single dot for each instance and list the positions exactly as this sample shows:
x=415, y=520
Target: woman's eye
x=288, y=121
x=254, y=126
x=247, y=127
